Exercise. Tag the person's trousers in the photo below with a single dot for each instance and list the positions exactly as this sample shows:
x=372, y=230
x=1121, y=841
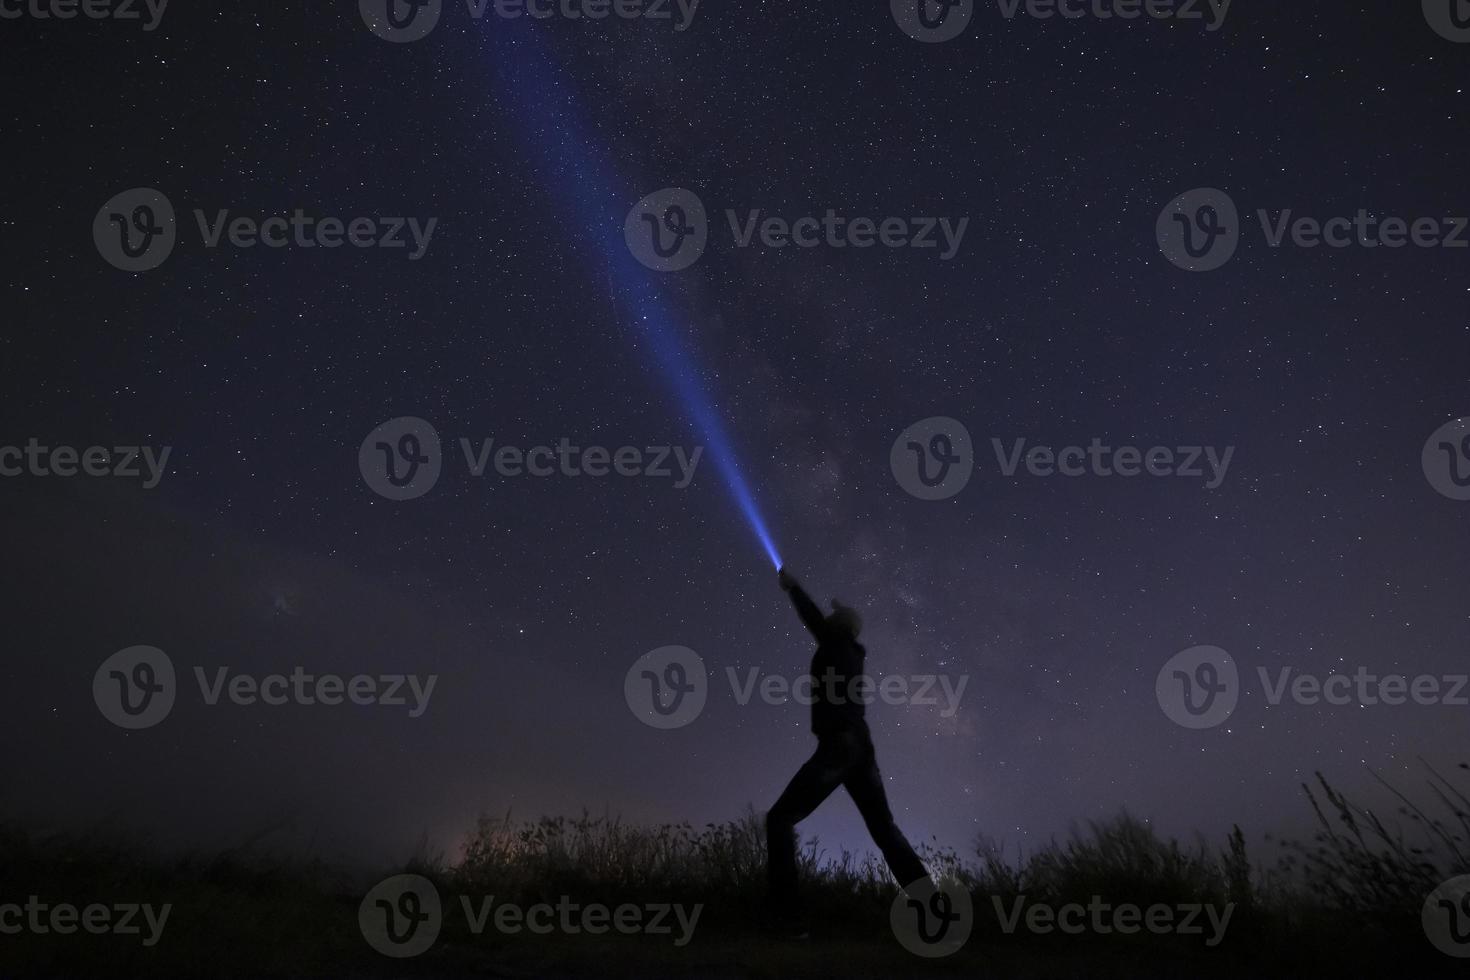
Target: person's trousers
x=846, y=759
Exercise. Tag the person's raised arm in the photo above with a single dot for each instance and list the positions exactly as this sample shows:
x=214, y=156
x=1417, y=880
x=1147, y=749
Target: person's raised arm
x=810, y=614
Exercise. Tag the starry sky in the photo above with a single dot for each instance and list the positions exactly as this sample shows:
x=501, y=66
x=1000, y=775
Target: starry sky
x=1058, y=321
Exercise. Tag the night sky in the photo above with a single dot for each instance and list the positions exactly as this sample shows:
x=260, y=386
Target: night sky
x=1058, y=320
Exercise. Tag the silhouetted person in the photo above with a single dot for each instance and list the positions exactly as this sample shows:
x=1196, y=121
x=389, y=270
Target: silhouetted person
x=844, y=757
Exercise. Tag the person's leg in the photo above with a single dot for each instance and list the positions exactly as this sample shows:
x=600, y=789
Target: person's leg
x=813, y=783
x=865, y=785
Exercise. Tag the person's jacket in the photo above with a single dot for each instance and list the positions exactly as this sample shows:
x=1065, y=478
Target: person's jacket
x=836, y=703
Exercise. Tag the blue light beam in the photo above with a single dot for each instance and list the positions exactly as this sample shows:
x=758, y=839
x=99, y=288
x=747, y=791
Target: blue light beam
x=582, y=184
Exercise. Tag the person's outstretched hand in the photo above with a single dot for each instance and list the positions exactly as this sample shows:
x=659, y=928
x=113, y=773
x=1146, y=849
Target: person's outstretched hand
x=784, y=577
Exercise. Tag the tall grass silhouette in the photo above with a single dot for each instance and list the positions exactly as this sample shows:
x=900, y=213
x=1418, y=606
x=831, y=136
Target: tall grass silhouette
x=1349, y=896
x=1355, y=863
